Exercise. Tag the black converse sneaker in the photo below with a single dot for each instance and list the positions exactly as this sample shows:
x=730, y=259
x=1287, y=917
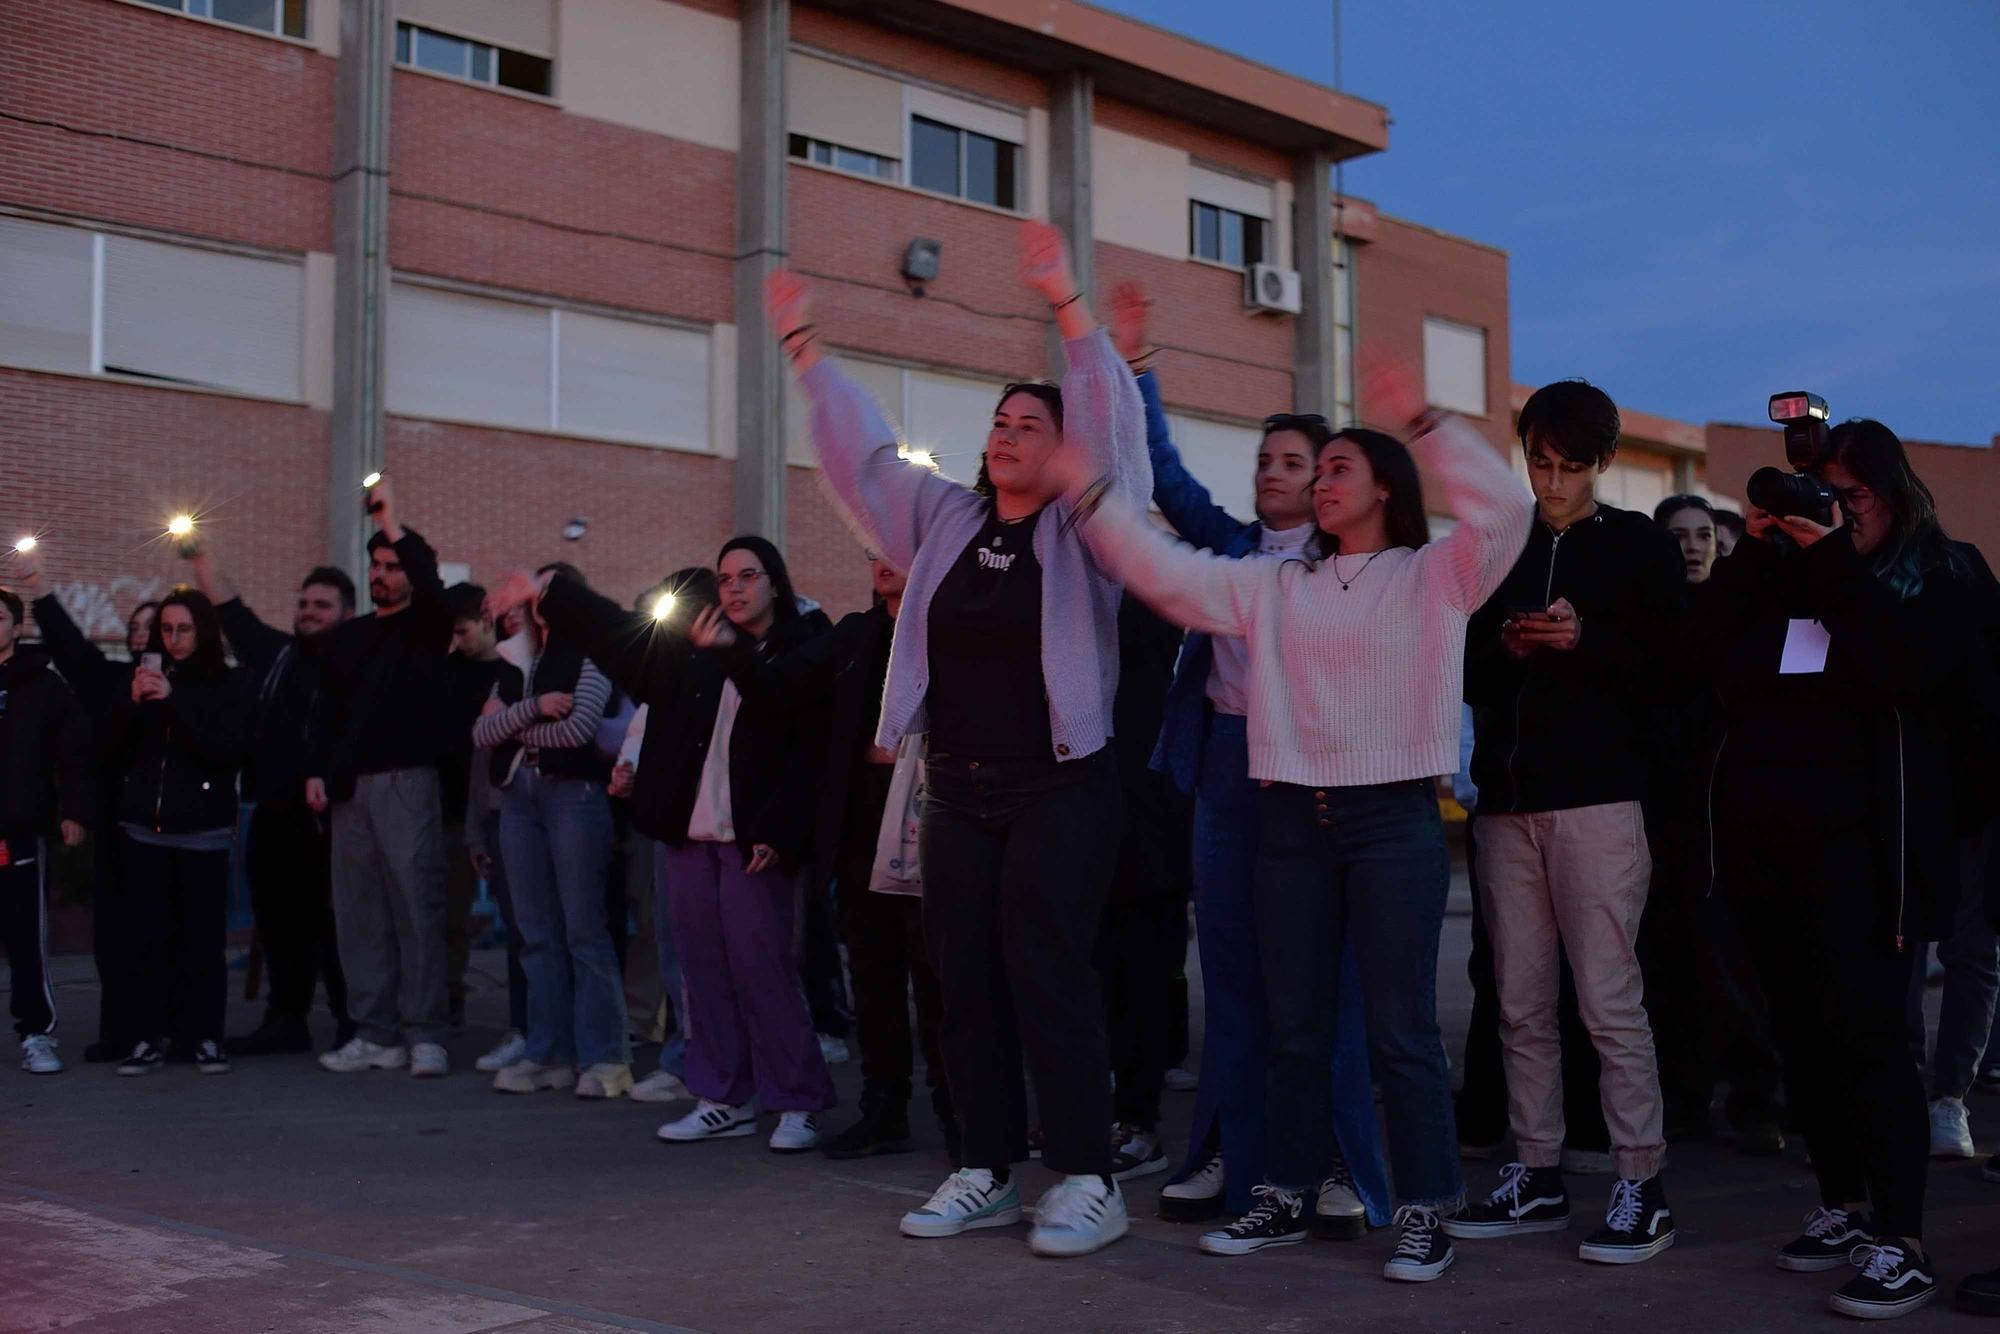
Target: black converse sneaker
x=1338, y=1213
x=1135, y=1153
x=1277, y=1219
x=1423, y=1251
x=1528, y=1199
x=1637, y=1226
x=146, y=1057
x=1830, y=1237
x=1892, y=1282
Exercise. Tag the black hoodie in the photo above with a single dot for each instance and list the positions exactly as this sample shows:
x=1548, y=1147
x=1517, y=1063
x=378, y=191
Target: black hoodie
x=45, y=750
x=1565, y=729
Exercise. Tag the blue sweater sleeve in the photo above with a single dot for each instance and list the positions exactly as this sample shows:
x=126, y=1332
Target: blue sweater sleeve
x=1185, y=501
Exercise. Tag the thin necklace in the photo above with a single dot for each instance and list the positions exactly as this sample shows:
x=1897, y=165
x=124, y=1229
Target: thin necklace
x=1346, y=584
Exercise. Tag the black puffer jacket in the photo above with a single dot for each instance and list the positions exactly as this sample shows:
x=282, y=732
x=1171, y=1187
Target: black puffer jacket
x=176, y=759
x=45, y=747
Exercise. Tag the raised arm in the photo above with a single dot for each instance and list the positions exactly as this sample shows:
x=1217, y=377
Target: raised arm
x=633, y=650
x=891, y=499
x=1102, y=413
x=81, y=662
x=1188, y=587
x=1492, y=506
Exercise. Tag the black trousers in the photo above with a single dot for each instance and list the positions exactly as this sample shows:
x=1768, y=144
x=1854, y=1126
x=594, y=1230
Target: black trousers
x=1808, y=896
x=289, y=860
x=886, y=955
x=1482, y=1097
x=819, y=961
x=24, y=929
x=1017, y=858
x=177, y=914
x=1139, y=953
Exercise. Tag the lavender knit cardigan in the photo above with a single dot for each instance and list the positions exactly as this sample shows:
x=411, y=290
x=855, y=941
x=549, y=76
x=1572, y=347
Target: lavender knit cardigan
x=921, y=523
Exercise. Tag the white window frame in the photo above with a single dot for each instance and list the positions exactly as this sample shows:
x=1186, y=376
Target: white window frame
x=940, y=116
x=470, y=42
x=1224, y=211
x=895, y=176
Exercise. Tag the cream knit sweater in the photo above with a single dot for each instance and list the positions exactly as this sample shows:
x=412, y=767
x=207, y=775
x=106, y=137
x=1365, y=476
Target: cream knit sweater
x=1347, y=687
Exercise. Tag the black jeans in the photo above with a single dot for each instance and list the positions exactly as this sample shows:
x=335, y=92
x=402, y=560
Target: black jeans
x=24, y=928
x=289, y=860
x=1017, y=858
x=1482, y=1097
x=1139, y=952
x=177, y=913
x=1808, y=897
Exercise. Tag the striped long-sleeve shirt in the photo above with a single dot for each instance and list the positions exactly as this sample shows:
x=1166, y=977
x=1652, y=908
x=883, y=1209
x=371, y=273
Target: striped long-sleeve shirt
x=523, y=722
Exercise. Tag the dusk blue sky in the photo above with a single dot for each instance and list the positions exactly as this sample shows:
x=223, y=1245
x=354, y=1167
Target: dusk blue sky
x=1703, y=202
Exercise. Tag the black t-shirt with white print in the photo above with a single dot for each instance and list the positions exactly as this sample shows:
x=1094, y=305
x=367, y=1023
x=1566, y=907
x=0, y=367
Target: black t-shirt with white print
x=987, y=699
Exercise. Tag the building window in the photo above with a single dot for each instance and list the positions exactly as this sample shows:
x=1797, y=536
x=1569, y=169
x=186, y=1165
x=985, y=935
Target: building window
x=475, y=62
x=964, y=164
x=1225, y=236
x=286, y=18
x=846, y=159
x=1455, y=366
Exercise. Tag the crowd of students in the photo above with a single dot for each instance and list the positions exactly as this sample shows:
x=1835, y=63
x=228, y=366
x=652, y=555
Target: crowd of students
x=1721, y=790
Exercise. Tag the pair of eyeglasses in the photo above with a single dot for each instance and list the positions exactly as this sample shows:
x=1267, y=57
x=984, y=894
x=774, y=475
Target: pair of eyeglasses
x=746, y=578
x=1855, y=499
x=1290, y=421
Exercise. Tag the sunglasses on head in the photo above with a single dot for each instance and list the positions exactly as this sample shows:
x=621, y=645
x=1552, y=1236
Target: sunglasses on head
x=1289, y=421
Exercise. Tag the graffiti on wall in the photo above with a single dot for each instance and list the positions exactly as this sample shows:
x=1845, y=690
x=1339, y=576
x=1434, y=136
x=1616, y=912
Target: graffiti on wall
x=96, y=607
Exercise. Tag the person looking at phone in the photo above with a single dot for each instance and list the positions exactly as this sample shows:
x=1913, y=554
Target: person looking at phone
x=1560, y=672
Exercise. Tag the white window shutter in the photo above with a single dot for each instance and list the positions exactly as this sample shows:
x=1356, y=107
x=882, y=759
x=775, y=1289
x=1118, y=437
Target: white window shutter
x=202, y=317
x=642, y=383
x=1222, y=456
x=843, y=105
x=951, y=417
x=45, y=296
x=1455, y=366
x=468, y=358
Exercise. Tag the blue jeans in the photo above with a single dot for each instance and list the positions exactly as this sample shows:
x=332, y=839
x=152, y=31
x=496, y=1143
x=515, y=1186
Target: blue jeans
x=1370, y=864
x=673, y=1050
x=555, y=834
x=1229, y=1101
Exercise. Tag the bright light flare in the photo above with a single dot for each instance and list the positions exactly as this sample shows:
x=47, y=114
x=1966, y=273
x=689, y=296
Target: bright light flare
x=663, y=606
x=181, y=525
x=920, y=456
x=25, y=545
x=371, y=480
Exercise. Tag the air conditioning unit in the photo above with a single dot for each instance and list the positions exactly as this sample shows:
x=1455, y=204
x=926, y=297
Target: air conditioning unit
x=1270, y=289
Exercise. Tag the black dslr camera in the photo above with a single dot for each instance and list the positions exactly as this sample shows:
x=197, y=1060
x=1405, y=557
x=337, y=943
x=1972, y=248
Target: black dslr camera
x=1800, y=492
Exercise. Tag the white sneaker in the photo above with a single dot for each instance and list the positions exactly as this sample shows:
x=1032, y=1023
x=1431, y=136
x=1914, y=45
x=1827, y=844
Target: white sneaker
x=1196, y=1199
x=1339, y=1214
x=606, y=1080
x=711, y=1120
x=969, y=1198
x=38, y=1055
x=833, y=1050
x=528, y=1077
x=511, y=1049
x=428, y=1060
x=361, y=1054
x=660, y=1086
x=1951, y=1134
x=1079, y=1216
x=796, y=1132
x=1182, y=1081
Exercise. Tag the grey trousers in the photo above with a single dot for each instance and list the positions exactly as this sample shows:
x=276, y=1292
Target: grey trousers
x=389, y=905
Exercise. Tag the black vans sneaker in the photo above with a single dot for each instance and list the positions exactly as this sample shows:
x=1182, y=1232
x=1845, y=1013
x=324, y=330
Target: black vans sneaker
x=1830, y=1237
x=1136, y=1153
x=1892, y=1282
x=1637, y=1226
x=208, y=1059
x=1528, y=1199
x=1423, y=1251
x=1277, y=1219
x=146, y=1057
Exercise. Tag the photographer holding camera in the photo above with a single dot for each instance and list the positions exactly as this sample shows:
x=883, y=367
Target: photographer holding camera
x=1840, y=638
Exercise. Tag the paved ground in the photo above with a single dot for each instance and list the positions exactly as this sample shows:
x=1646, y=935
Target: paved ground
x=283, y=1198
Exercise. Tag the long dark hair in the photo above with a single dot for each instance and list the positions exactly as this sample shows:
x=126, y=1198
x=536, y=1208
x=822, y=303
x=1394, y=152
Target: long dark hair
x=1916, y=542
x=1402, y=513
x=784, y=602
x=1048, y=393
x=207, y=658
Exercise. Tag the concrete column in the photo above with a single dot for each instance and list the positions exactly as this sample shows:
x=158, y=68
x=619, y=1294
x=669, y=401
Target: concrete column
x=1069, y=185
x=760, y=249
x=1315, y=374
x=361, y=269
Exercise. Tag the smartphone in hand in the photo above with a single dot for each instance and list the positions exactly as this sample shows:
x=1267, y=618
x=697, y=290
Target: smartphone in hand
x=152, y=662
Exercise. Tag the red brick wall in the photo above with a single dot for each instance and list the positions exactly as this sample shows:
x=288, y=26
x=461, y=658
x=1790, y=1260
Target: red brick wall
x=96, y=467
x=601, y=212
x=1964, y=478
x=102, y=67
x=1218, y=357
x=1411, y=272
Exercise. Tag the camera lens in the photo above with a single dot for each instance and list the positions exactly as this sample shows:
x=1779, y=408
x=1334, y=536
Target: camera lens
x=1787, y=494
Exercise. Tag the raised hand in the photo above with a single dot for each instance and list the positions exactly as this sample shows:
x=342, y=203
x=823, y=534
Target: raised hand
x=316, y=795
x=516, y=590
x=788, y=302
x=1127, y=317
x=712, y=629
x=1045, y=261
x=1389, y=389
